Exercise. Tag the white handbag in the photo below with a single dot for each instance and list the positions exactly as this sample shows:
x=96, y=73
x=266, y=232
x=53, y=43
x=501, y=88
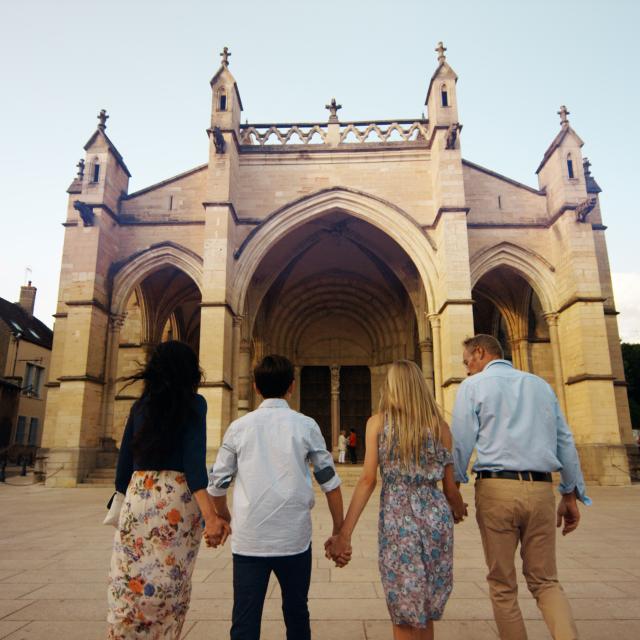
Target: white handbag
x=114, y=505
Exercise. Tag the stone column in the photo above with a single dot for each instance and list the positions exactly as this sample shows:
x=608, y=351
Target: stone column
x=244, y=378
x=434, y=319
x=335, y=407
x=520, y=353
x=116, y=322
x=236, y=335
x=295, y=398
x=426, y=356
x=552, y=322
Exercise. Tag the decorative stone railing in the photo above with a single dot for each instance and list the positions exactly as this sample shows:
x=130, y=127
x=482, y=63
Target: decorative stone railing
x=334, y=134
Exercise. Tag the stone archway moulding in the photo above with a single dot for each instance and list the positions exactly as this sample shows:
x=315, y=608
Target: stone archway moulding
x=535, y=269
x=390, y=219
x=137, y=267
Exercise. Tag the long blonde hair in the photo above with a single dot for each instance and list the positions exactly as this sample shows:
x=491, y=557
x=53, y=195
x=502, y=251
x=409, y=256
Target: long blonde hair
x=410, y=411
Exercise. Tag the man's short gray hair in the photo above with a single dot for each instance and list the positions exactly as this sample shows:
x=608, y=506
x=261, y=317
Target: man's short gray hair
x=487, y=342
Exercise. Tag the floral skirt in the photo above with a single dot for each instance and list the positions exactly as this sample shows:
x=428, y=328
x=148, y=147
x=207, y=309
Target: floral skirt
x=154, y=552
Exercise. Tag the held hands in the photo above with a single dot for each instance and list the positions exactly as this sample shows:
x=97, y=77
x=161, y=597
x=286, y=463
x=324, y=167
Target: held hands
x=216, y=531
x=338, y=548
x=569, y=512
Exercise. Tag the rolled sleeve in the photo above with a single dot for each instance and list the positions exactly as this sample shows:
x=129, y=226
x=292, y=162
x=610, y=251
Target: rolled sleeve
x=464, y=428
x=571, y=478
x=225, y=467
x=324, y=470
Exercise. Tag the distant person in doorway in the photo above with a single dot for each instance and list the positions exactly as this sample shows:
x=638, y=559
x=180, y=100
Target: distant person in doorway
x=342, y=447
x=353, y=441
x=411, y=443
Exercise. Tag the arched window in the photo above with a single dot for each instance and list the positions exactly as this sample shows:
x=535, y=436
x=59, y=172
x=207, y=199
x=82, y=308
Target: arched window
x=222, y=100
x=570, y=166
x=444, y=95
x=95, y=171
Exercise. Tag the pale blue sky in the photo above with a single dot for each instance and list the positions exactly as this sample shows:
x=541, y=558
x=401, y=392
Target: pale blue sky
x=149, y=64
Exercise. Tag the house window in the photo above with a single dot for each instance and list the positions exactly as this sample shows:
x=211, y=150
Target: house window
x=20, y=430
x=32, y=380
x=570, y=166
x=33, y=432
x=444, y=94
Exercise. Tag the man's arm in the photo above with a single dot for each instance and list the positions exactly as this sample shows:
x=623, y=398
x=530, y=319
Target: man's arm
x=222, y=474
x=336, y=508
x=464, y=428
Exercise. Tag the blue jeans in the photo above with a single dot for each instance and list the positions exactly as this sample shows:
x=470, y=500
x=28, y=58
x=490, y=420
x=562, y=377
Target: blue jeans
x=250, y=581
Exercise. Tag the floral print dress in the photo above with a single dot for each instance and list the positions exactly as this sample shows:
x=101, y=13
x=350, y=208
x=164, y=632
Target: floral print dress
x=155, y=549
x=415, y=535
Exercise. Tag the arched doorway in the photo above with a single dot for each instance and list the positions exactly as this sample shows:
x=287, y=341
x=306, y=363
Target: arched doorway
x=341, y=299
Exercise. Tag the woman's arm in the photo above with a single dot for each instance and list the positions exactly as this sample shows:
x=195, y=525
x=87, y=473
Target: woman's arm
x=449, y=486
x=124, y=470
x=340, y=545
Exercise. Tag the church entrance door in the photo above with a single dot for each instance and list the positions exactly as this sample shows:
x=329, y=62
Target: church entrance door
x=355, y=403
x=315, y=398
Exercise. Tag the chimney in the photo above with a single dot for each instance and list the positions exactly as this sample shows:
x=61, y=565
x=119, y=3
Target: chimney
x=27, y=298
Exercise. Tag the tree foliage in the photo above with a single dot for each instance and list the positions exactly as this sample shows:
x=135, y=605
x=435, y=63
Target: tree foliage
x=631, y=360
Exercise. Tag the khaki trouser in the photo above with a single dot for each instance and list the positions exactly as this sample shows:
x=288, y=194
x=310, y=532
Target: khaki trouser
x=512, y=511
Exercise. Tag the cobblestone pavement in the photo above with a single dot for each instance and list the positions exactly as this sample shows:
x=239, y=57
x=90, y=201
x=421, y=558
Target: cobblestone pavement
x=54, y=557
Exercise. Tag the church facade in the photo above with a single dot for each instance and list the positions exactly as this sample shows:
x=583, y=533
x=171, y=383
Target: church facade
x=343, y=246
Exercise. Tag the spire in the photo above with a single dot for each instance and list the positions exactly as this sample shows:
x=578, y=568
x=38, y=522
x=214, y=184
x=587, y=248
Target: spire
x=225, y=56
x=102, y=117
x=563, y=113
x=440, y=50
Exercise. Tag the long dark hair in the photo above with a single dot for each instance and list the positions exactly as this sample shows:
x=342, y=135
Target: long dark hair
x=171, y=378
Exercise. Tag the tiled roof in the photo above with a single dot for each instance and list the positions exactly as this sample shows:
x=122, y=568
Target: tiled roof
x=30, y=328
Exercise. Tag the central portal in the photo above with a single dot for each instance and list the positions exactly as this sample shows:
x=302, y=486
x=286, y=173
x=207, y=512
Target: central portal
x=338, y=297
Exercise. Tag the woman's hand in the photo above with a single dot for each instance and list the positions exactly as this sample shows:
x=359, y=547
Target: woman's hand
x=457, y=504
x=216, y=531
x=338, y=548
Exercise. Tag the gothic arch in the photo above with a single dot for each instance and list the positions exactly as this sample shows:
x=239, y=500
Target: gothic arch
x=140, y=265
x=535, y=269
x=390, y=219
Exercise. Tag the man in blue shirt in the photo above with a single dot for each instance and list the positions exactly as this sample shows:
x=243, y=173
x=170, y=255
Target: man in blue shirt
x=513, y=420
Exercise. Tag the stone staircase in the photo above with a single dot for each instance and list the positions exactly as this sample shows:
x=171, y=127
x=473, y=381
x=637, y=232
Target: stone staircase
x=100, y=477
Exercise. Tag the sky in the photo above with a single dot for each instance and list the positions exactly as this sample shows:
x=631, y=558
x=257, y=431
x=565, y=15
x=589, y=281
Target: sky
x=149, y=64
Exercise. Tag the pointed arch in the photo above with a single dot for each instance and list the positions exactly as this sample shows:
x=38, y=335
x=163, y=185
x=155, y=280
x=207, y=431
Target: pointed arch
x=533, y=267
x=137, y=267
x=392, y=220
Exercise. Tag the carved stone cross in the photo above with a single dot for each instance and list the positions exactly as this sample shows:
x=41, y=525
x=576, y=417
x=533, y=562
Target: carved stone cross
x=225, y=56
x=80, y=166
x=587, y=167
x=102, y=117
x=441, y=49
x=333, y=110
x=563, y=113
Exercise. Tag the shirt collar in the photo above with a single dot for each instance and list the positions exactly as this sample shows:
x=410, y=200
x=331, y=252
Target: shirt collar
x=273, y=403
x=497, y=362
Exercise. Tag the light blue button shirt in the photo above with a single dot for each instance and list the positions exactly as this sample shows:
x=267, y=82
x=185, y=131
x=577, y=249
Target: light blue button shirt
x=514, y=420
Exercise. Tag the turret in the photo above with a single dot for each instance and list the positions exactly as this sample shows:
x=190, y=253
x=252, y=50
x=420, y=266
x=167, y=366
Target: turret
x=441, y=101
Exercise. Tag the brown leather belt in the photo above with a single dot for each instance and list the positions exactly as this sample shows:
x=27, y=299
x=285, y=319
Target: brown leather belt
x=534, y=476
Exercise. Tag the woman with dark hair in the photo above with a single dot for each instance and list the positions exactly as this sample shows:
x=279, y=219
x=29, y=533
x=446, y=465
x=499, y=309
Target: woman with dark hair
x=162, y=470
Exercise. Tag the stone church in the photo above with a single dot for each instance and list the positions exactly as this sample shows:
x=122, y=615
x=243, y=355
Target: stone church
x=344, y=246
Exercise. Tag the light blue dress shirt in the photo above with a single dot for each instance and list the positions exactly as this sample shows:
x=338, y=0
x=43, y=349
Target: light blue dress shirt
x=514, y=420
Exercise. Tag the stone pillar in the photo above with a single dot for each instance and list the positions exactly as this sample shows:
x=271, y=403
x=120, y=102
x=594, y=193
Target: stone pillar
x=520, y=353
x=335, y=407
x=426, y=357
x=434, y=319
x=295, y=398
x=108, y=444
x=235, y=366
x=552, y=322
x=244, y=378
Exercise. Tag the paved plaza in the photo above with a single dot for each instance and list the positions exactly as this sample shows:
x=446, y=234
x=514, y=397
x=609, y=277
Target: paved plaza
x=55, y=557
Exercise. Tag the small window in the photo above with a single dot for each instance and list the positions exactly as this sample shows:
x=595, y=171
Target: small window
x=222, y=101
x=95, y=175
x=499, y=202
x=32, y=380
x=444, y=94
x=34, y=334
x=33, y=432
x=20, y=430
x=570, y=166
x=16, y=326
x=170, y=203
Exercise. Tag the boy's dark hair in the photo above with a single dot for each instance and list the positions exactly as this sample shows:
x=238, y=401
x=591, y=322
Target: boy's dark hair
x=273, y=376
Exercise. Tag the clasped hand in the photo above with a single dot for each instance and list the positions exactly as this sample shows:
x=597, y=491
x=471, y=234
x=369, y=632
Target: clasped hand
x=338, y=549
x=216, y=531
